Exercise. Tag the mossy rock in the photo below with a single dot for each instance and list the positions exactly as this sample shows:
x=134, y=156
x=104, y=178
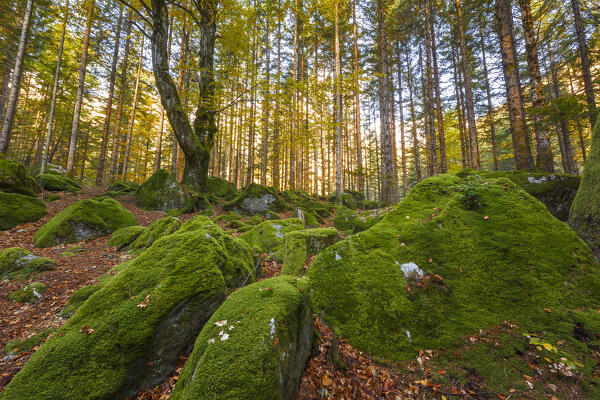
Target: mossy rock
x=348, y=200
x=123, y=237
x=18, y=262
x=257, y=199
x=556, y=190
x=18, y=346
x=123, y=187
x=31, y=293
x=15, y=179
x=344, y=221
x=435, y=269
x=231, y=216
x=312, y=220
x=299, y=245
x=269, y=215
x=130, y=333
x=161, y=193
x=72, y=251
x=268, y=235
x=17, y=209
x=58, y=183
x=220, y=188
x=585, y=211
x=372, y=205
x=366, y=219
x=51, y=197
x=86, y=219
x=155, y=231
x=254, y=346
x=323, y=210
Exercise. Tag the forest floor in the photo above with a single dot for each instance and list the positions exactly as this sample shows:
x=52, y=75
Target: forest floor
x=362, y=376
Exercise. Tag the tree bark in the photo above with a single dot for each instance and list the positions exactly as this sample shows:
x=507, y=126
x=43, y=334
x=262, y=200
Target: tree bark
x=489, y=100
x=338, y=109
x=80, y=87
x=432, y=164
x=133, y=110
x=522, y=151
x=54, y=92
x=109, y=101
x=438, y=100
x=413, y=116
x=402, y=139
x=276, y=125
x=13, y=96
x=585, y=63
x=545, y=159
x=357, y=131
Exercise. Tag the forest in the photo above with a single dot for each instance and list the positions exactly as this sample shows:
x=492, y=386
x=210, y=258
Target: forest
x=299, y=199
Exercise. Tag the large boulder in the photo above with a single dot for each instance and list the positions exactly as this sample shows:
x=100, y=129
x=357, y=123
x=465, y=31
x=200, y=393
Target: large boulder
x=17, y=209
x=257, y=199
x=454, y=257
x=86, y=219
x=161, y=193
x=15, y=261
x=15, y=179
x=299, y=245
x=136, y=324
x=123, y=237
x=254, y=346
x=220, y=188
x=268, y=235
x=585, y=211
x=58, y=183
x=556, y=190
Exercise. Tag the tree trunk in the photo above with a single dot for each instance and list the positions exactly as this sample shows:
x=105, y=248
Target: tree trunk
x=585, y=63
x=510, y=66
x=438, y=100
x=109, y=101
x=133, y=110
x=489, y=100
x=432, y=164
x=545, y=159
x=464, y=57
x=276, y=125
x=338, y=109
x=413, y=116
x=80, y=88
x=357, y=131
x=197, y=141
x=13, y=96
x=402, y=140
x=266, y=104
x=55, y=91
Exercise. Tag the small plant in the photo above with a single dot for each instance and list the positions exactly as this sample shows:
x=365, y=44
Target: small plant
x=470, y=194
x=559, y=361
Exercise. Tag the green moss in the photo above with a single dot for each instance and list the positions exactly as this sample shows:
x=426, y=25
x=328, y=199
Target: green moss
x=123, y=187
x=21, y=263
x=86, y=219
x=312, y=220
x=269, y=331
x=18, y=346
x=491, y=270
x=58, y=183
x=16, y=209
x=272, y=215
x=367, y=219
x=555, y=190
x=299, y=245
x=257, y=199
x=238, y=224
x=585, y=212
x=161, y=192
x=15, y=179
x=31, y=293
x=130, y=332
x=155, y=231
x=268, y=235
x=231, y=216
x=72, y=251
x=349, y=199
x=344, y=221
x=123, y=237
x=220, y=188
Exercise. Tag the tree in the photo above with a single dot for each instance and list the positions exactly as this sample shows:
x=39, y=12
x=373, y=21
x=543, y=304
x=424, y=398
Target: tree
x=13, y=96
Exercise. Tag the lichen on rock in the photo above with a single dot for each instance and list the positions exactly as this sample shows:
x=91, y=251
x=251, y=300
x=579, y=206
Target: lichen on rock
x=131, y=330
x=86, y=219
x=254, y=346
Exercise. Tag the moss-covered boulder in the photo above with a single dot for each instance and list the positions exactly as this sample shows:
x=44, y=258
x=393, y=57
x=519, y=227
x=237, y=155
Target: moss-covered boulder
x=299, y=245
x=20, y=345
x=155, y=231
x=31, y=293
x=86, y=219
x=15, y=179
x=351, y=200
x=58, y=183
x=344, y=219
x=220, y=188
x=123, y=237
x=557, y=191
x=454, y=257
x=161, y=192
x=17, y=209
x=257, y=199
x=16, y=261
x=585, y=211
x=254, y=346
x=268, y=235
x=123, y=187
x=130, y=333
